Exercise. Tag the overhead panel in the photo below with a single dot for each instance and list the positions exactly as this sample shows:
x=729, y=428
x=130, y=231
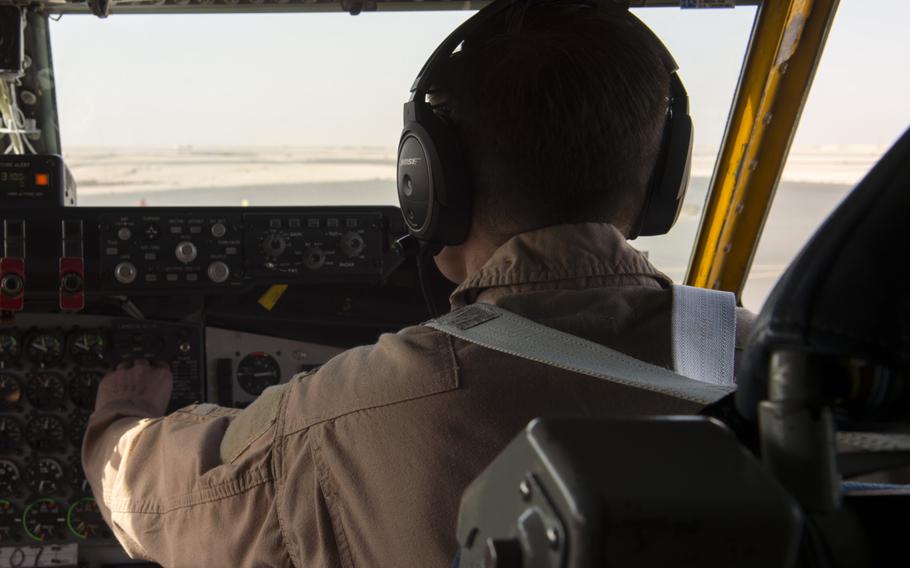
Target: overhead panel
x=786, y=45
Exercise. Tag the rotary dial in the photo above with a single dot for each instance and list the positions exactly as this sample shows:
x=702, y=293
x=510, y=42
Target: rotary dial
x=44, y=349
x=9, y=347
x=10, y=433
x=83, y=388
x=9, y=477
x=45, y=433
x=258, y=371
x=46, y=391
x=43, y=520
x=84, y=519
x=10, y=391
x=45, y=476
x=88, y=348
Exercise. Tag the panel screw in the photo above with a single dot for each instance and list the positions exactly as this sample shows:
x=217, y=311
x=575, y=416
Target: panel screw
x=553, y=537
x=525, y=489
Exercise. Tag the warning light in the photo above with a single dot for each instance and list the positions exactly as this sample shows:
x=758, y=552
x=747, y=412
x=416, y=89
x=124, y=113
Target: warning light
x=42, y=180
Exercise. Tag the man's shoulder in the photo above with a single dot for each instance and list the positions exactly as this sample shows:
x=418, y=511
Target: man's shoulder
x=414, y=363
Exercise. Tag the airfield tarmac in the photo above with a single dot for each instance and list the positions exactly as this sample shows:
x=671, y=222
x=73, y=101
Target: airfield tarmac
x=814, y=182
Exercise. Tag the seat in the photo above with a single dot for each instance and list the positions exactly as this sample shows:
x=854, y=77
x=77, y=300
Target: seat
x=824, y=387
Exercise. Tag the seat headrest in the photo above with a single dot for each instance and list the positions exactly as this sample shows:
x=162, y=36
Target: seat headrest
x=848, y=291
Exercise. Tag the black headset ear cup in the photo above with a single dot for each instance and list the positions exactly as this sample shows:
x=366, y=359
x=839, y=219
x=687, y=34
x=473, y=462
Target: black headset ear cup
x=670, y=179
x=431, y=177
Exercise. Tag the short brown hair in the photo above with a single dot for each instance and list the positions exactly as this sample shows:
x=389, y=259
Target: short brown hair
x=561, y=110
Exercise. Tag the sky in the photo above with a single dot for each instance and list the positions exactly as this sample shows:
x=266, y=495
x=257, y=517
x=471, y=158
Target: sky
x=337, y=80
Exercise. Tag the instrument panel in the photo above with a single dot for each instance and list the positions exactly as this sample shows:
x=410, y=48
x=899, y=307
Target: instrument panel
x=58, y=265
x=242, y=365
x=49, y=376
x=80, y=252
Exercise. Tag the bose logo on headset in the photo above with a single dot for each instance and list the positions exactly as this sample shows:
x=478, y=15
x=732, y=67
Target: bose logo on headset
x=436, y=201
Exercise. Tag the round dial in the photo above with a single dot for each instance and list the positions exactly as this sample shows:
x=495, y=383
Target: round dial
x=10, y=433
x=46, y=391
x=43, y=519
x=44, y=349
x=9, y=347
x=84, y=519
x=77, y=478
x=77, y=428
x=83, y=388
x=45, y=476
x=274, y=244
x=10, y=391
x=10, y=522
x=45, y=433
x=88, y=348
x=258, y=371
x=9, y=477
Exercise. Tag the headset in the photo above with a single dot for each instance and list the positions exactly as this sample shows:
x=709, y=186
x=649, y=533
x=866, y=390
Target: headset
x=434, y=191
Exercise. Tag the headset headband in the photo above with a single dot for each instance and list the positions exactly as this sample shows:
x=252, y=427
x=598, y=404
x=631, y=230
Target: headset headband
x=448, y=46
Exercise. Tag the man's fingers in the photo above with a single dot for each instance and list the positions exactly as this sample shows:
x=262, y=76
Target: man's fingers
x=123, y=365
x=141, y=363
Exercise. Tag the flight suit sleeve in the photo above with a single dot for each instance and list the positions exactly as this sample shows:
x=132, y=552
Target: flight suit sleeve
x=184, y=491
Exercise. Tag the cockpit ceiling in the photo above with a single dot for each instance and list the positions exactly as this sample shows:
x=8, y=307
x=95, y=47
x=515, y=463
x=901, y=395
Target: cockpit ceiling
x=352, y=6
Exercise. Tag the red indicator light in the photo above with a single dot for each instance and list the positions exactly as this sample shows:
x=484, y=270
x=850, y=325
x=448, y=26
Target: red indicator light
x=42, y=180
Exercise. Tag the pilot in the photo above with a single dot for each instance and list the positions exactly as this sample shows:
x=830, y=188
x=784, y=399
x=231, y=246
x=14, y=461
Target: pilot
x=560, y=108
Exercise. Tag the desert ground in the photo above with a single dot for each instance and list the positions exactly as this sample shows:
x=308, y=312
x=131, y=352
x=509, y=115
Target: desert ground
x=815, y=181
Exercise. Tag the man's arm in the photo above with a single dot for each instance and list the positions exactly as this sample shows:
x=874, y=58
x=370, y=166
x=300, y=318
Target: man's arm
x=162, y=483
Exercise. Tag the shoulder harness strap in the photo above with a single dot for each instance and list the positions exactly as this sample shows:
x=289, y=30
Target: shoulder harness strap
x=501, y=330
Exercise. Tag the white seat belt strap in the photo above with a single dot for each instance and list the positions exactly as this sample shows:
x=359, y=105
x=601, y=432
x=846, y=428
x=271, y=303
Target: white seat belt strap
x=704, y=334
x=501, y=330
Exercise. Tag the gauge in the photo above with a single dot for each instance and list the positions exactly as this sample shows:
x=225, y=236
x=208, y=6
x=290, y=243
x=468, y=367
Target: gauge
x=45, y=433
x=77, y=478
x=9, y=346
x=88, y=348
x=46, y=391
x=9, y=477
x=258, y=371
x=83, y=388
x=45, y=476
x=84, y=518
x=44, y=349
x=43, y=519
x=10, y=433
x=77, y=428
x=10, y=391
x=9, y=522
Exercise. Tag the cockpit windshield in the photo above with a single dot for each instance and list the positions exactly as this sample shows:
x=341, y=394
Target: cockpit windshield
x=305, y=109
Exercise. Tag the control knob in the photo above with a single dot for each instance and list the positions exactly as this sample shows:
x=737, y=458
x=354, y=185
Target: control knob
x=352, y=244
x=186, y=252
x=313, y=258
x=274, y=245
x=218, y=272
x=125, y=273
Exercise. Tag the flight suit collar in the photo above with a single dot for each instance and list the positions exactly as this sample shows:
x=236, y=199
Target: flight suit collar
x=579, y=256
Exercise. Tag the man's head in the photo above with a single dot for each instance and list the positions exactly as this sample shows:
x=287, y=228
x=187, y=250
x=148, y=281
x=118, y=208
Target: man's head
x=560, y=110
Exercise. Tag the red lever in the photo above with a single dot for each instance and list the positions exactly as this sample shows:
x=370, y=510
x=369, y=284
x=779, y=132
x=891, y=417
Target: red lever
x=12, y=284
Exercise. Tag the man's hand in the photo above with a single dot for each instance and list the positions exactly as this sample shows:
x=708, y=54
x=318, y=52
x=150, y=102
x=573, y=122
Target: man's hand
x=147, y=385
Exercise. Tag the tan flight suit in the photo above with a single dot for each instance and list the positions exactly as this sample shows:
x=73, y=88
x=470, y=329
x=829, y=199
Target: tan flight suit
x=363, y=462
